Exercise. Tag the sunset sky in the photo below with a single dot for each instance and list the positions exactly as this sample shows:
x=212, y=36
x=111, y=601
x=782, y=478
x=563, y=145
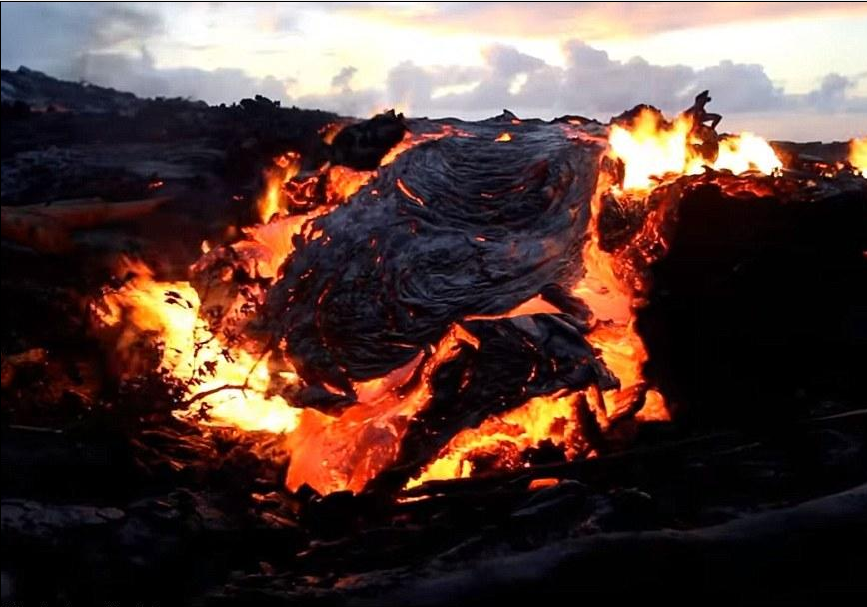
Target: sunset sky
x=785, y=70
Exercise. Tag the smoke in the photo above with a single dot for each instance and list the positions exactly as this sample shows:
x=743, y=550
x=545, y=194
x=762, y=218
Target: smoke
x=343, y=77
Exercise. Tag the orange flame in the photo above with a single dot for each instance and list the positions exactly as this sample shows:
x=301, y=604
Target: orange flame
x=544, y=417
x=237, y=384
x=858, y=154
x=652, y=149
x=284, y=169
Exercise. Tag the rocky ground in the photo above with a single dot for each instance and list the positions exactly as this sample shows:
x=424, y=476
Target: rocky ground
x=758, y=495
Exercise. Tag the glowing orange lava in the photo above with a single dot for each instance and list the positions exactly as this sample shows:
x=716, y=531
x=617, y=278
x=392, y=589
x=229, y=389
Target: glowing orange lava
x=233, y=382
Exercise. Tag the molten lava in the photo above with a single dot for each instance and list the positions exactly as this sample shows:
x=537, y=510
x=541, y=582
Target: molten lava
x=230, y=379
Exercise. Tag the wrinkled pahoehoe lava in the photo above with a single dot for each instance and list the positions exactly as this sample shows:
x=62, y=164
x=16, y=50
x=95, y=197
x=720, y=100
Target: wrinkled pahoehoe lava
x=456, y=227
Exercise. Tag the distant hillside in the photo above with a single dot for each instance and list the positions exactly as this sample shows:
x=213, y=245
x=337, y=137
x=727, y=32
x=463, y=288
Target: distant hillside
x=68, y=139
x=42, y=92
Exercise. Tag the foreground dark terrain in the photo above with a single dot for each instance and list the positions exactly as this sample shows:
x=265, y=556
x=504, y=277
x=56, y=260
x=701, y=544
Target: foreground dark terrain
x=756, y=327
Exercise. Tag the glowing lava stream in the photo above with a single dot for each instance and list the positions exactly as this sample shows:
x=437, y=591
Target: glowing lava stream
x=230, y=383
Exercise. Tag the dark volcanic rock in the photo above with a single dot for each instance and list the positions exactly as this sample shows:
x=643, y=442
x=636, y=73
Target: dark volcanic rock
x=460, y=226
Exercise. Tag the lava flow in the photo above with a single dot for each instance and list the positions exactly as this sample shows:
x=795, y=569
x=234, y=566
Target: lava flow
x=208, y=334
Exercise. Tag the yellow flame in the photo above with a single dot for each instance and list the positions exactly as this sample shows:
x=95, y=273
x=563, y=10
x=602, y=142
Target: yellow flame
x=746, y=152
x=540, y=418
x=237, y=387
x=858, y=154
x=652, y=149
x=285, y=167
x=343, y=451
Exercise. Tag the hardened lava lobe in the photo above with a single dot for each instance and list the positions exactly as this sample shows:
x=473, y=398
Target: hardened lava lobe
x=459, y=226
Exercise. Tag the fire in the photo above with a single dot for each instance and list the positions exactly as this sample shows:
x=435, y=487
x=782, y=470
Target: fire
x=542, y=418
x=746, y=152
x=285, y=167
x=610, y=293
x=858, y=154
x=235, y=380
x=329, y=131
x=285, y=190
x=652, y=149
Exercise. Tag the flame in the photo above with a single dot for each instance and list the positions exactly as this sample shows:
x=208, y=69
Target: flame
x=330, y=130
x=610, y=290
x=285, y=189
x=285, y=167
x=230, y=382
x=503, y=137
x=409, y=193
x=343, y=182
x=746, y=152
x=652, y=149
x=541, y=418
x=542, y=483
x=858, y=154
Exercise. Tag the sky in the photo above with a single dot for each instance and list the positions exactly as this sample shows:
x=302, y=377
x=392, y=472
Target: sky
x=784, y=70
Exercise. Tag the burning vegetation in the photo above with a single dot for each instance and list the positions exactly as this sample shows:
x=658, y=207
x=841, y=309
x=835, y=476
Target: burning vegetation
x=464, y=305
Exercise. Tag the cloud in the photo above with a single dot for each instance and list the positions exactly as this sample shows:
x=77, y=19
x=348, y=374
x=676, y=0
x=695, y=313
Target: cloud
x=587, y=20
x=590, y=83
x=116, y=24
x=137, y=73
x=54, y=33
x=833, y=93
x=108, y=45
x=342, y=79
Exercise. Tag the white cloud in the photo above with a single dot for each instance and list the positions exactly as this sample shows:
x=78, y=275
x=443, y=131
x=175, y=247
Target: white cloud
x=593, y=84
x=108, y=45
